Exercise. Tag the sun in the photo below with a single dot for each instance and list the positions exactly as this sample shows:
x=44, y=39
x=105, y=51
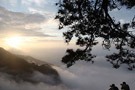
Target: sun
x=14, y=42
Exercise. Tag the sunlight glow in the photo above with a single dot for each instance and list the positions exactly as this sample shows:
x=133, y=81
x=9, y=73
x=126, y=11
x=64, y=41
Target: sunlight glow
x=14, y=42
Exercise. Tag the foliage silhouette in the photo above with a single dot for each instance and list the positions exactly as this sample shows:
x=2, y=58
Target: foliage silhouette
x=89, y=20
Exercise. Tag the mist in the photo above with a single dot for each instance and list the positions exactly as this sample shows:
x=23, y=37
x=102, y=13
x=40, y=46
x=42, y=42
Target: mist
x=83, y=75
x=33, y=21
x=6, y=83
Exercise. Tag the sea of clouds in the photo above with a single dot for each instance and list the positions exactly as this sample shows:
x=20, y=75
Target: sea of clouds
x=81, y=76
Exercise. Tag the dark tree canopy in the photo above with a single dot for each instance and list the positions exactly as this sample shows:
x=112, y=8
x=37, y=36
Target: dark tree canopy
x=89, y=20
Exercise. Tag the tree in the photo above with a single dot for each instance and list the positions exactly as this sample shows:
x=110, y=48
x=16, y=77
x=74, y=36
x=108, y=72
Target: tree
x=89, y=20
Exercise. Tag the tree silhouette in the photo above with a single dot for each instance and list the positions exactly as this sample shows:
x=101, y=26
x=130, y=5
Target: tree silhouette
x=89, y=20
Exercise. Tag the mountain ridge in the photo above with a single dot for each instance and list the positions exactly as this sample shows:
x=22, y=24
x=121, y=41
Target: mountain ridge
x=21, y=69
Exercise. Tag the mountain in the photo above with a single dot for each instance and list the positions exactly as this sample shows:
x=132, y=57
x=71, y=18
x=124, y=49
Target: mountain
x=24, y=68
x=33, y=60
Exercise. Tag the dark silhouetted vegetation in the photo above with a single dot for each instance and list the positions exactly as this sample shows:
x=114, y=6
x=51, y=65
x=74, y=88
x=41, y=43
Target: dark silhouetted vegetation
x=90, y=21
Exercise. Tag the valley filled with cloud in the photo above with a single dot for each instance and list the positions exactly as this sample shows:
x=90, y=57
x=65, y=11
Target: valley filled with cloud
x=29, y=33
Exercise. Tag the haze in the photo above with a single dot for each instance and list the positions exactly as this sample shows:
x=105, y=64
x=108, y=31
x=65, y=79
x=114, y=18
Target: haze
x=28, y=27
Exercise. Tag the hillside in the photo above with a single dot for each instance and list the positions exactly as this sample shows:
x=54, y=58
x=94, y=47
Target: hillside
x=24, y=67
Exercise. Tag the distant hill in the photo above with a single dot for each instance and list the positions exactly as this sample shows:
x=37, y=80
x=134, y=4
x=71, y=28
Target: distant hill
x=23, y=67
x=33, y=60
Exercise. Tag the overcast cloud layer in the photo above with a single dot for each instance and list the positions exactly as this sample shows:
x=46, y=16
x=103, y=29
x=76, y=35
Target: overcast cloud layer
x=21, y=23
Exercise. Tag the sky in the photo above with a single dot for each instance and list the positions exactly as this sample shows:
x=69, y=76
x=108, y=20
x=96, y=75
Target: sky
x=26, y=22
x=28, y=27
x=32, y=20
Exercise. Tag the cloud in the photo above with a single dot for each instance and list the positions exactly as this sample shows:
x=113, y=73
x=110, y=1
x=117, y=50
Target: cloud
x=83, y=75
x=38, y=2
x=18, y=18
x=33, y=10
x=22, y=23
x=6, y=83
x=29, y=2
x=98, y=76
x=86, y=76
x=10, y=2
x=122, y=21
x=40, y=6
x=34, y=18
